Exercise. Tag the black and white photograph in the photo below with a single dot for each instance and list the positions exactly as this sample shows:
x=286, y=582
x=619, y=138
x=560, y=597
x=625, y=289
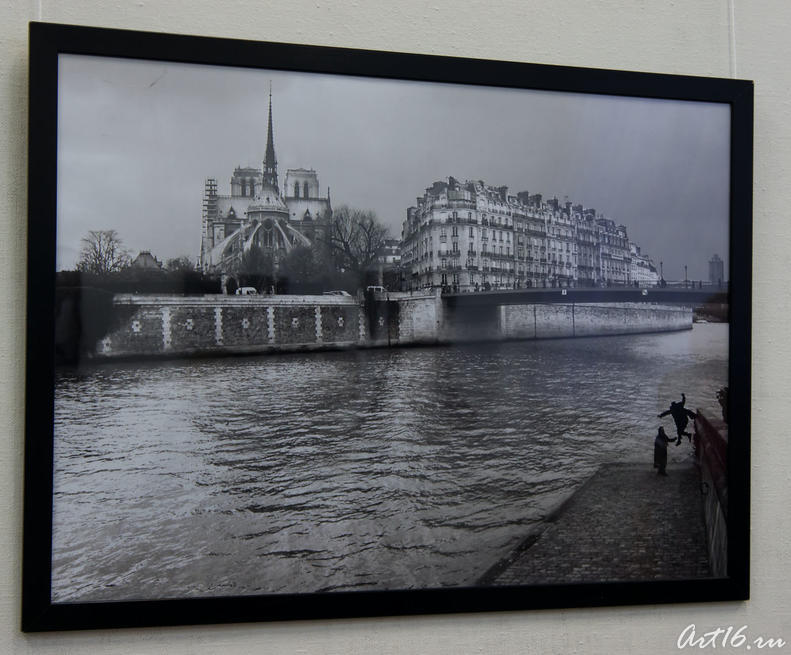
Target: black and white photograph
x=319, y=333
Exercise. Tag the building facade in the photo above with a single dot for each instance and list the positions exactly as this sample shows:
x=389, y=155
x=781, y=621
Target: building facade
x=643, y=272
x=472, y=236
x=256, y=214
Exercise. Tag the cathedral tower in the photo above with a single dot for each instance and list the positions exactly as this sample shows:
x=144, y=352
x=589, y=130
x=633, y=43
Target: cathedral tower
x=270, y=162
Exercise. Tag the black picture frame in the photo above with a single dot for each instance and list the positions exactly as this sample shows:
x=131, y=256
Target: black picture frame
x=49, y=41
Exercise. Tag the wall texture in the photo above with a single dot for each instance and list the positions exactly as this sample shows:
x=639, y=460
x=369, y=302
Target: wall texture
x=173, y=326
x=699, y=37
x=590, y=319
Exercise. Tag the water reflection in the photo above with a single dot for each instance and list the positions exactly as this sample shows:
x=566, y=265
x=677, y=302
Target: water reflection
x=372, y=469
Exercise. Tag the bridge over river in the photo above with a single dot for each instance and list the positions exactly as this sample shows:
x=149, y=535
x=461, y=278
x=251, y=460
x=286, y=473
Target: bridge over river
x=665, y=296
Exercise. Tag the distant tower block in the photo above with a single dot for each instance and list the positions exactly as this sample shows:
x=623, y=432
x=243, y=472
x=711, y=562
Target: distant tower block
x=716, y=270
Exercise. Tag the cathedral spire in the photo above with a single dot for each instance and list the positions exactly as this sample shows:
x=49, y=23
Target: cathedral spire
x=270, y=162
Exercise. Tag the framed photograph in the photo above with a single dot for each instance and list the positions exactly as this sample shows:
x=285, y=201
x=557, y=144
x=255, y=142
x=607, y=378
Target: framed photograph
x=316, y=332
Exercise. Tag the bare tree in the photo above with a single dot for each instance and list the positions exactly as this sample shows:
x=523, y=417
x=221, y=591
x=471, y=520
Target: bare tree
x=182, y=263
x=300, y=266
x=256, y=268
x=102, y=253
x=355, y=238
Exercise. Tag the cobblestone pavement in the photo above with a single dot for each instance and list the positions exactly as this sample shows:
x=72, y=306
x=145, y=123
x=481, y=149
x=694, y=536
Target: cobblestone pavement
x=625, y=523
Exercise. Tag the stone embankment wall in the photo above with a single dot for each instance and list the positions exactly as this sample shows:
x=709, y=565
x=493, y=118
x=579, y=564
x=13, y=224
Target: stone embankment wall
x=175, y=326
x=711, y=454
x=590, y=319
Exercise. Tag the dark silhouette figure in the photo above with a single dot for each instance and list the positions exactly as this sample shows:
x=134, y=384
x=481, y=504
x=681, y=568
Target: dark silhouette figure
x=660, y=451
x=681, y=416
x=722, y=399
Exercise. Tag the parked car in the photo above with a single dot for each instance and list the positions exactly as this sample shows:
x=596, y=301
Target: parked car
x=246, y=291
x=336, y=293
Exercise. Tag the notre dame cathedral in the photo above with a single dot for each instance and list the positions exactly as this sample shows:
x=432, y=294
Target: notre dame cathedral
x=256, y=215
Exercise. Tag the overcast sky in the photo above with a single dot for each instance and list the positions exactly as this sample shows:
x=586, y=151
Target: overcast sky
x=136, y=140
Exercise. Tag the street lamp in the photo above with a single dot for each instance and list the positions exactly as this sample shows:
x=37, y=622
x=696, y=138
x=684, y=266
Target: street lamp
x=685, y=276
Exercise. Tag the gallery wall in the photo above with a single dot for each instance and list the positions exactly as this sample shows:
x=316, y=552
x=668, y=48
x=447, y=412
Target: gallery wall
x=707, y=37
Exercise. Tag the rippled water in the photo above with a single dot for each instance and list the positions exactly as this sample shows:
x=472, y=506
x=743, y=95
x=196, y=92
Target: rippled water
x=371, y=469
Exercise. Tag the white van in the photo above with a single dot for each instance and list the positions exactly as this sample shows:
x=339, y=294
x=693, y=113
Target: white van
x=246, y=291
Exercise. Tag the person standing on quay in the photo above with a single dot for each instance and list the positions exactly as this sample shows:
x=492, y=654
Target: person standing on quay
x=660, y=451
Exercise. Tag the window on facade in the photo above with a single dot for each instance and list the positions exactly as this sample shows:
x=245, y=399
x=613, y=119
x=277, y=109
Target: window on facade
x=455, y=246
x=455, y=230
x=472, y=233
x=305, y=193
x=444, y=263
x=296, y=189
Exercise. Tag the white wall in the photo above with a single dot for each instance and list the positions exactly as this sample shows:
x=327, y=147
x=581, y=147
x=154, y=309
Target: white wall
x=699, y=37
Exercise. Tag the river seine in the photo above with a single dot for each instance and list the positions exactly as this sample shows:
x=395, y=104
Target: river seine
x=377, y=469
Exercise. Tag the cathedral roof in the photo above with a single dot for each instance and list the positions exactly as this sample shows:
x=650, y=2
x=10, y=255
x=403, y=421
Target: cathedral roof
x=267, y=200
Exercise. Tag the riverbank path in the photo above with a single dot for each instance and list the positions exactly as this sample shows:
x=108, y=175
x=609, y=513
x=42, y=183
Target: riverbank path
x=625, y=523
